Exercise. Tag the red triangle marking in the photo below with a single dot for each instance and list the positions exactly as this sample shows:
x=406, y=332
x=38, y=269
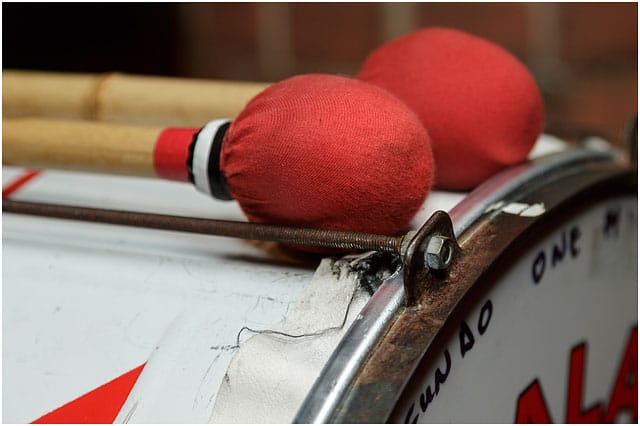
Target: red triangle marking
x=100, y=405
x=19, y=182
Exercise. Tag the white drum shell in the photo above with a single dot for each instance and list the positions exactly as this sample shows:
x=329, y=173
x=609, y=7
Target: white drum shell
x=84, y=303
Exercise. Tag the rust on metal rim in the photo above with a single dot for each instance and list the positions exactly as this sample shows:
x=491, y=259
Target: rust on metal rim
x=415, y=267
x=381, y=379
x=328, y=397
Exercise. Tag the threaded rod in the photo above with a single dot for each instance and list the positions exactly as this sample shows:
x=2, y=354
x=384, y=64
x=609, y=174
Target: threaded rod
x=251, y=231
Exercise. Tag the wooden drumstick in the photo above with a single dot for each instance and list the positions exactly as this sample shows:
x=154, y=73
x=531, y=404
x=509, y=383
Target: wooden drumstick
x=82, y=146
x=123, y=98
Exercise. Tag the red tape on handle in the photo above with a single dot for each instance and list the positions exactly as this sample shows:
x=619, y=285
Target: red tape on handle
x=171, y=153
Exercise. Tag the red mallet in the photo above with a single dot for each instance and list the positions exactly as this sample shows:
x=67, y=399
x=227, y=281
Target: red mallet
x=315, y=151
x=480, y=105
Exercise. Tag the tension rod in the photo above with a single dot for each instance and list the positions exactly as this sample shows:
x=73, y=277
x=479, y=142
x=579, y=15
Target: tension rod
x=251, y=231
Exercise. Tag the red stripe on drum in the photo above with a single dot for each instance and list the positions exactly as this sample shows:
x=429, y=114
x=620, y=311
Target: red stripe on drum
x=100, y=405
x=19, y=183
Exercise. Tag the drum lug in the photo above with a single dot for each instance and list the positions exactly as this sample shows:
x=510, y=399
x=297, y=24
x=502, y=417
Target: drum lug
x=428, y=252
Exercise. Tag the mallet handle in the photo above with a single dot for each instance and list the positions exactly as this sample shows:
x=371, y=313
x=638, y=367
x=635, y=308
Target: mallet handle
x=123, y=98
x=79, y=146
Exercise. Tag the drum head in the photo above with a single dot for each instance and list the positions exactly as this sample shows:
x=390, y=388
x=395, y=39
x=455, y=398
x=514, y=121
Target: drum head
x=549, y=334
x=534, y=320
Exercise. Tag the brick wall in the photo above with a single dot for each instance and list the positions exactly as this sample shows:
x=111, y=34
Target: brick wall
x=583, y=55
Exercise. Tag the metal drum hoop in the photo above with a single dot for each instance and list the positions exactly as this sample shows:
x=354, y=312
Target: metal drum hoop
x=373, y=363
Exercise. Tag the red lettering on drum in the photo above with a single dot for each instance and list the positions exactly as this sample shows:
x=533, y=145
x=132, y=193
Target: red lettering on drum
x=532, y=408
x=625, y=391
x=575, y=414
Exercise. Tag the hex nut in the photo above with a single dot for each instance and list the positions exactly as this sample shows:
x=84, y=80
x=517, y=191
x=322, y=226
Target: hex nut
x=439, y=252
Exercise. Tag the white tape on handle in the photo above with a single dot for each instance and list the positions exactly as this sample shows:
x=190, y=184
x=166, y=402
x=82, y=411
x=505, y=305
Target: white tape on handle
x=202, y=153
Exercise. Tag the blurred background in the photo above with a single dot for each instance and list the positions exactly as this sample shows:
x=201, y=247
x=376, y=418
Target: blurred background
x=583, y=55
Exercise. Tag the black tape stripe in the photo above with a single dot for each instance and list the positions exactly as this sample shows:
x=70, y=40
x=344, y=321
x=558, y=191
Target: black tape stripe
x=190, y=156
x=217, y=181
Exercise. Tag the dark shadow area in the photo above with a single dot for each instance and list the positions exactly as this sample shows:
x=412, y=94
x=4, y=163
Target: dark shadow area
x=92, y=37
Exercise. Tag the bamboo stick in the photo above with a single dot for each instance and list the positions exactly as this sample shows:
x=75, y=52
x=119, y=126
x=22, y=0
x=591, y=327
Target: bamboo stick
x=59, y=95
x=79, y=146
x=123, y=98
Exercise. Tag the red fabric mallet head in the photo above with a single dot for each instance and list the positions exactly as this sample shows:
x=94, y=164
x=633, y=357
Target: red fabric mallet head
x=480, y=105
x=328, y=152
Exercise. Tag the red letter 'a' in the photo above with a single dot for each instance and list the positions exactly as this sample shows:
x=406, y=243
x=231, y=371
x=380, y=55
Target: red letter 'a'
x=531, y=406
x=625, y=392
x=575, y=391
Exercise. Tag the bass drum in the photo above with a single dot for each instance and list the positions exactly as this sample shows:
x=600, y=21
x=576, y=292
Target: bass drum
x=534, y=320
x=533, y=317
